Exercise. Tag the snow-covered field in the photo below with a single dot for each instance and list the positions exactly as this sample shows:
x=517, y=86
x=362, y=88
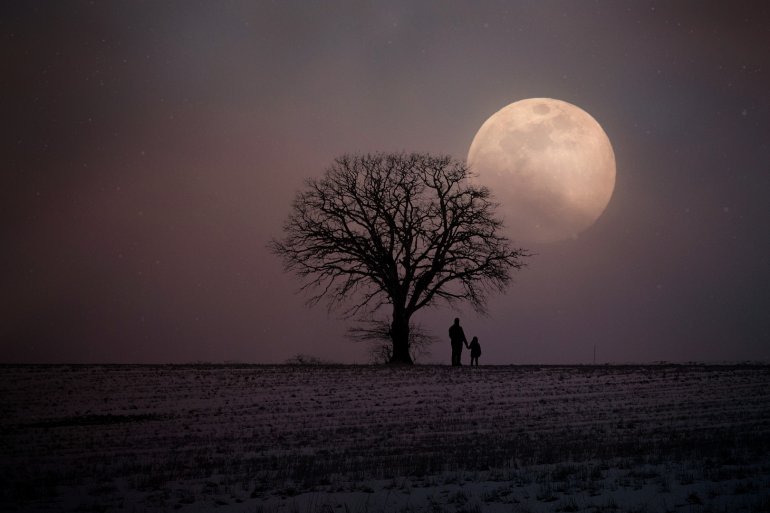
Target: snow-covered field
x=368, y=439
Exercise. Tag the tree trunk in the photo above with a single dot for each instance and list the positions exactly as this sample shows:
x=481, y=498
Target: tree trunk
x=399, y=333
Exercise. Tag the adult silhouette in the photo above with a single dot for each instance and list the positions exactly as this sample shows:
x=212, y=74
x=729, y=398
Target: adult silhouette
x=457, y=339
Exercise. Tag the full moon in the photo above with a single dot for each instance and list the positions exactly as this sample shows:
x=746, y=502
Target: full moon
x=548, y=164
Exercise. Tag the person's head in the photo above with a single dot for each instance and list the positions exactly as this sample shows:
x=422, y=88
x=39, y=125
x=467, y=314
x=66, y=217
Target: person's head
x=475, y=339
x=457, y=321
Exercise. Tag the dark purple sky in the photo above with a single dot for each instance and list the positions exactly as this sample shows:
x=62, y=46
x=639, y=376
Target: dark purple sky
x=150, y=150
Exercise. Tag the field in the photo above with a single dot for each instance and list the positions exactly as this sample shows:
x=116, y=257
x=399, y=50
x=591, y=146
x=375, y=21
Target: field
x=324, y=438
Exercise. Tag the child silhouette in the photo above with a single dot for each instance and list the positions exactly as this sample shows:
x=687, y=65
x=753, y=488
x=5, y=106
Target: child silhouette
x=475, y=348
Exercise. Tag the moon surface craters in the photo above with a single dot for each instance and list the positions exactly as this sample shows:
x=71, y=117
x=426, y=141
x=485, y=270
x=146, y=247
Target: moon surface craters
x=550, y=166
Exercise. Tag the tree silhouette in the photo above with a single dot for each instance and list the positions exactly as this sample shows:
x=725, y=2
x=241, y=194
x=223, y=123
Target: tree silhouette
x=401, y=231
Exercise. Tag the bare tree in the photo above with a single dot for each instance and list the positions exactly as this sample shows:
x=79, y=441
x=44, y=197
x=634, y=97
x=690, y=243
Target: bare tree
x=401, y=231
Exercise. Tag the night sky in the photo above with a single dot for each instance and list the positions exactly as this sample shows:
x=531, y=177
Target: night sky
x=150, y=151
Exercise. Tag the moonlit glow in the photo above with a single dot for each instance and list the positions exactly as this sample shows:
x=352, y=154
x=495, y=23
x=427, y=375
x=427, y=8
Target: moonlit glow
x=550, y=166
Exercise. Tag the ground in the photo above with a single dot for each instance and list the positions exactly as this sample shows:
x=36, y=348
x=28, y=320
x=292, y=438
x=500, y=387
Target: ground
x=321, y=438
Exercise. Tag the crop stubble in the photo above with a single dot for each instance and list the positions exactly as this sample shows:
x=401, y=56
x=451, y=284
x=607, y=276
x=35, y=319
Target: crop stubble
x=141, y=431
